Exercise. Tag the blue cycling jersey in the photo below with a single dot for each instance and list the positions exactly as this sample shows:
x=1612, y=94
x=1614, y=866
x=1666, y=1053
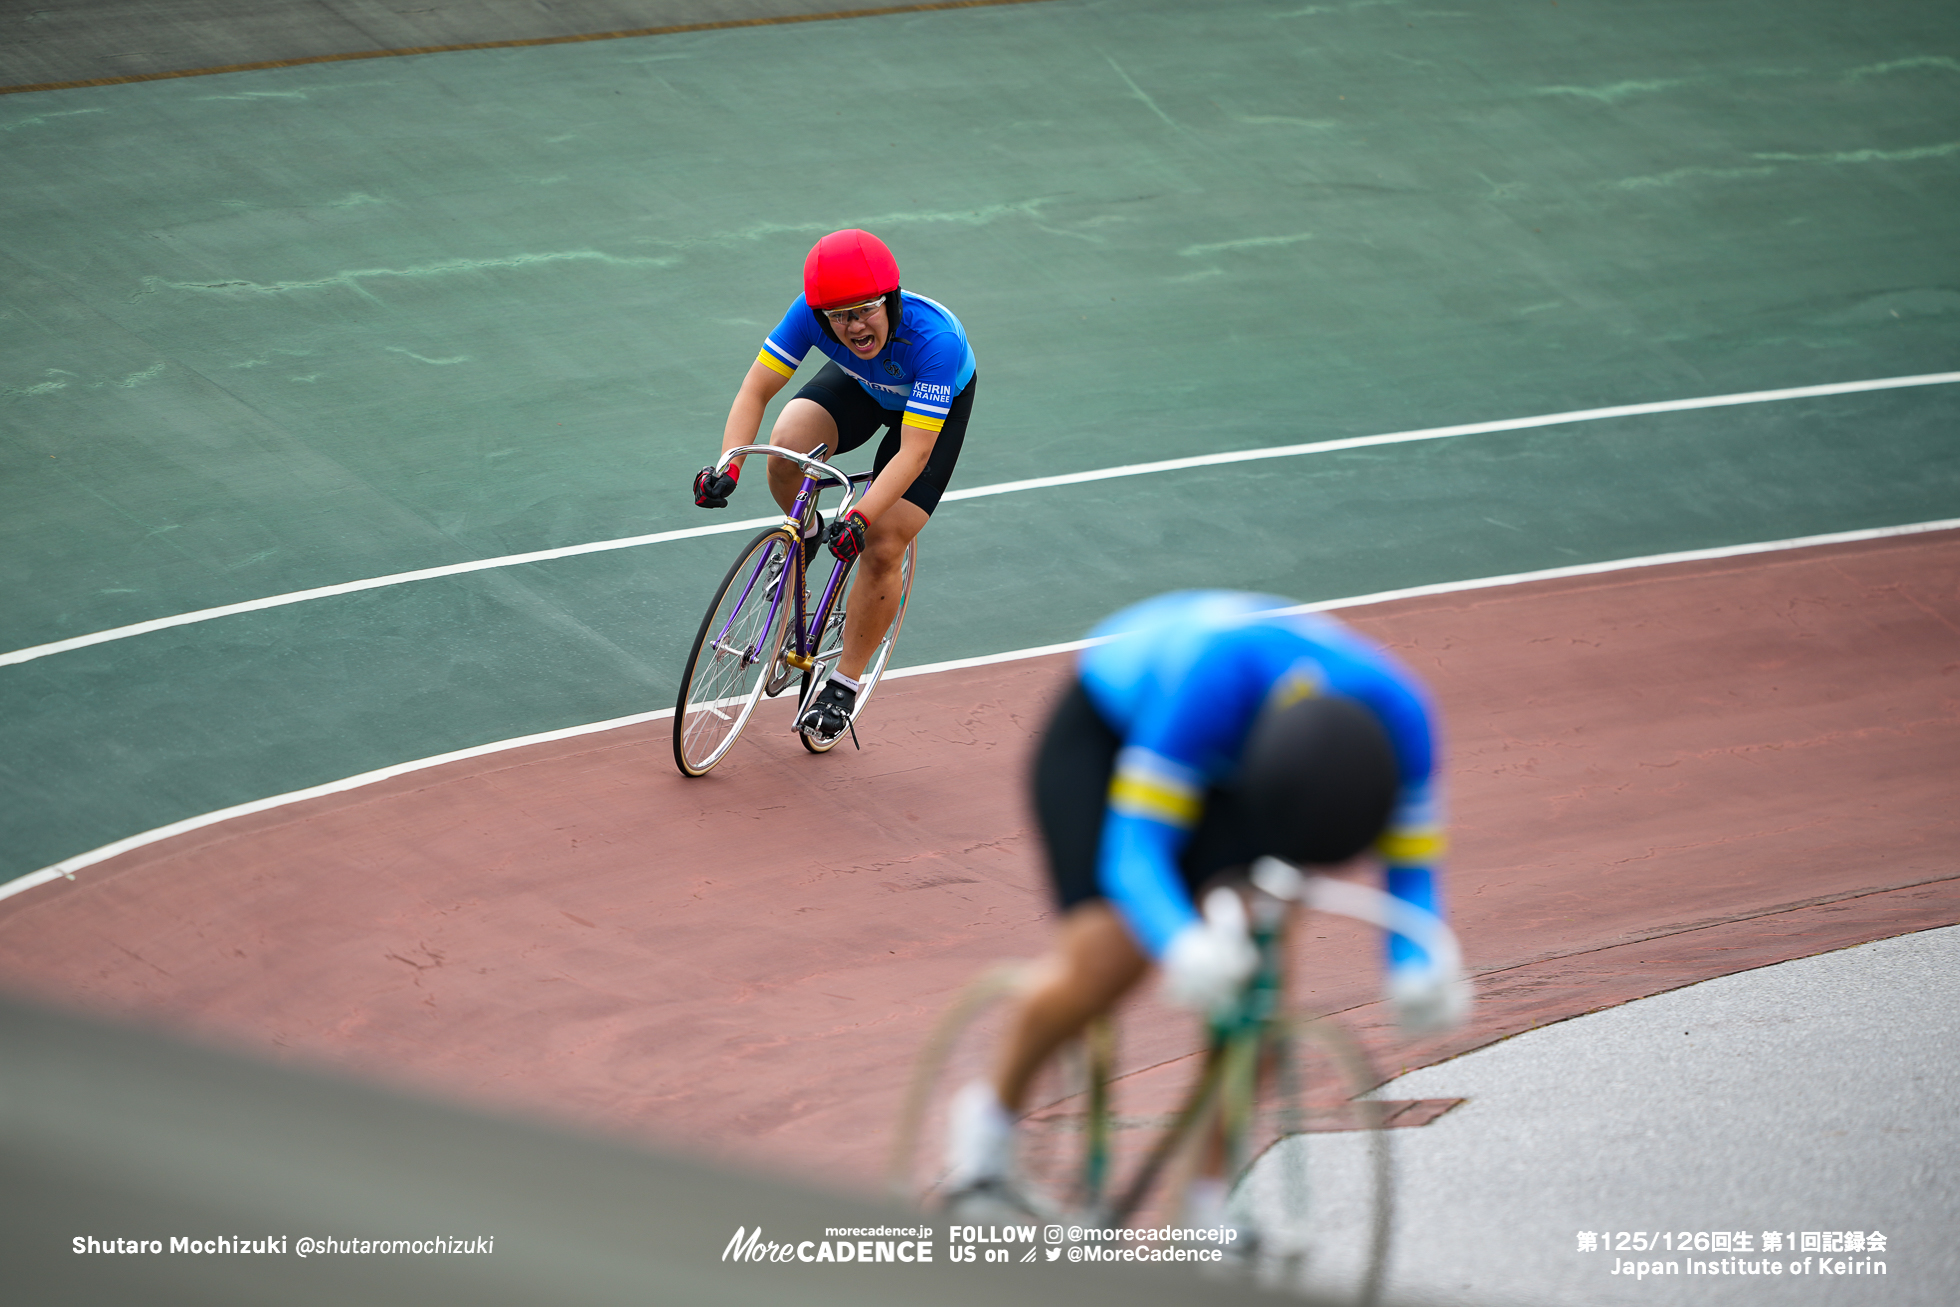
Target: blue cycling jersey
x=924, y=366
x=1181, y=679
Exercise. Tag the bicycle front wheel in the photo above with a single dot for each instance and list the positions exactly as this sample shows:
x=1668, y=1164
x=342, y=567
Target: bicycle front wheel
x=1063, y=1142
x=1317, y=1186
x=831, y=646
x=735, y=647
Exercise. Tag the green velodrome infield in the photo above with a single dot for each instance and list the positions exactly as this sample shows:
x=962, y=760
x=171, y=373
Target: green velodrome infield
x=283, y=331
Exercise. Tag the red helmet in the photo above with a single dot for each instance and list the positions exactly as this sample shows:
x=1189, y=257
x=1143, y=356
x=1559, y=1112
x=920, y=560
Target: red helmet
x=848, y=267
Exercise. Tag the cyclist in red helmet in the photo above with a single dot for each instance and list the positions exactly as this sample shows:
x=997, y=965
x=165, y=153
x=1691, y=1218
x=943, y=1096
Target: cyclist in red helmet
x=893, y=362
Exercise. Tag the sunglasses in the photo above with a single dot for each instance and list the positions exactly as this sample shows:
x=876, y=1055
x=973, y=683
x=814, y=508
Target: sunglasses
x=855, y=312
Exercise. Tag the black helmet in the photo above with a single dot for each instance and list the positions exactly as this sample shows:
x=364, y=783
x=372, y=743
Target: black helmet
x=1318, y=779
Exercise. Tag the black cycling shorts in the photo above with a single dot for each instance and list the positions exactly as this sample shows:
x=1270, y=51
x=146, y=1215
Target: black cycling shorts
x=859, y=417
x=1072, y=770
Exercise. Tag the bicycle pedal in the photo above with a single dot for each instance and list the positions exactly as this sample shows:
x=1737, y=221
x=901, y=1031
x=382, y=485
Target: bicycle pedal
x=818, y=734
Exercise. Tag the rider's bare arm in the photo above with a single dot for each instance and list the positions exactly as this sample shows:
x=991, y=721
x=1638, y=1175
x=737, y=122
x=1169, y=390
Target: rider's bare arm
x=761, y=385
x=914, y=448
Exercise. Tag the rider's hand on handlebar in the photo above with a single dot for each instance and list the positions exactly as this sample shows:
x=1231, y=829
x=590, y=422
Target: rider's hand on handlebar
x=847, y=535
x=711, y=491
x=1209, y=960
x=1428, y=999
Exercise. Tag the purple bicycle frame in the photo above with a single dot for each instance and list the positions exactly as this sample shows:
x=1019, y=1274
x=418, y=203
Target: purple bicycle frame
x=806, y=629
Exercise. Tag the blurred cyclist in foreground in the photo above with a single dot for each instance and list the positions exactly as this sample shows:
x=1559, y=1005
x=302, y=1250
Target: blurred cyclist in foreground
x=1206, y=729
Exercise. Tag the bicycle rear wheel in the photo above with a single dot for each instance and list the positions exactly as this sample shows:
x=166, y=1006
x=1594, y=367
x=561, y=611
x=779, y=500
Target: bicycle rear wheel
x=736, y=645
x=831, y=646
x=1317, y=1180
x=1064, y=1143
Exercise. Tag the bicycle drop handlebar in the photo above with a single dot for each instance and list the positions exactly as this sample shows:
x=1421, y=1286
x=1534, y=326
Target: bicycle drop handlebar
x=806, y=461
x=1345, y=898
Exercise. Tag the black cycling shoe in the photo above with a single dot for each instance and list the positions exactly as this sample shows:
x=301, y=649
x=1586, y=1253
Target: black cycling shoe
x=829, y=715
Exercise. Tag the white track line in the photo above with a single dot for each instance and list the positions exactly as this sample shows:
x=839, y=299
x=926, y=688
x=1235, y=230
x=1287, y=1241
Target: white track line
x=977, y=492
x=372, y=583
x=69, y=866
x=1465, y=429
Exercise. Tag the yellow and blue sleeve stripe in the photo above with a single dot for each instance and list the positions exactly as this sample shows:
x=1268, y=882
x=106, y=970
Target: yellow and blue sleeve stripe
x=921, y=412
x=774, y=356
x=1414, y=837
x=1151, y=786
x=1419, y=846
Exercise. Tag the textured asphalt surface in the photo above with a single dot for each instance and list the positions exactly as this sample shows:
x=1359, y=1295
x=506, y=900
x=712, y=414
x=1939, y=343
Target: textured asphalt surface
x=1813, y=1096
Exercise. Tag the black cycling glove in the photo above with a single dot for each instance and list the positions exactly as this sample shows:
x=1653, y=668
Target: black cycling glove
x=847, y=535
x=711, y=491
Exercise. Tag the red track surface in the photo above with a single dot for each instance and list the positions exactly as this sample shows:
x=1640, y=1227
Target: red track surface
x=1658, y=776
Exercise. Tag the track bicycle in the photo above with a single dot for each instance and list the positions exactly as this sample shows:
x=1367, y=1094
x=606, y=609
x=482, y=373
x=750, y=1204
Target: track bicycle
x=1285, y=1096
x=761, y=632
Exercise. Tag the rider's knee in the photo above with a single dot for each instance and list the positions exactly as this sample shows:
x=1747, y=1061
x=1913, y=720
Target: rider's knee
x=801, y=426
x=884, y=549
x=1099, y=949
x=885, y=557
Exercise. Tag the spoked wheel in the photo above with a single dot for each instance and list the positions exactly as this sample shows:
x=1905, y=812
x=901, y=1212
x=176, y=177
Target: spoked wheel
x=1063, y=1137
x=831, y=645
x=736, y=645
x=1319, y=1187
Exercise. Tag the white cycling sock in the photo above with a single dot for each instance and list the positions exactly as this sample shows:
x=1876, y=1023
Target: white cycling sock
x=979, y=1137
x=845, y=681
